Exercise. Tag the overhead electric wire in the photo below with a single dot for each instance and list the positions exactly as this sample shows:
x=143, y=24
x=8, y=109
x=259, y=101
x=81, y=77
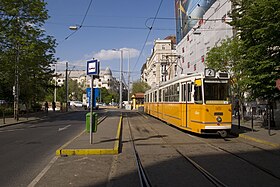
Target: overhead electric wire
x=80, y=26
x=150, y=29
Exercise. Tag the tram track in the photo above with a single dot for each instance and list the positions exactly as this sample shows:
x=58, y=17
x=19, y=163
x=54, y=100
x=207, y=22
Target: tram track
x=142, y=174
x=259, y=167
x=143, y=177
x=266, y=168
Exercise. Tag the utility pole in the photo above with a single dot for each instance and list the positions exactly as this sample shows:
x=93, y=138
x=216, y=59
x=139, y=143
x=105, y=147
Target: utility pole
x=66, y=87
x=121, y=70
x=54, y=97
x=16, y=87
x=128, y=79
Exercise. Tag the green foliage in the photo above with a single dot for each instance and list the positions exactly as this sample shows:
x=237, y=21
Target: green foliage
x=107, y=96
x=75, y=91
x=139, y=87
x=25, y=47
x=258, y=25
x=228, y=57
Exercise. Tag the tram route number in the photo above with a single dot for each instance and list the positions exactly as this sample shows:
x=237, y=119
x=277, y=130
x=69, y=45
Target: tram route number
x=209, y=72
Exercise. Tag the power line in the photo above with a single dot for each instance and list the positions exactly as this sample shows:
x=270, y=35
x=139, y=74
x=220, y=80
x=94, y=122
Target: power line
x=150, y=29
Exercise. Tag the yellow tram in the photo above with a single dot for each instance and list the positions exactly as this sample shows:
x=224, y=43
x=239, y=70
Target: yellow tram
x=198, y=102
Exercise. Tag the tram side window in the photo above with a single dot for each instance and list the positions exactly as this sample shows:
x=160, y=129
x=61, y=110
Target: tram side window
x=159, y=96
x=189, y=92
x=155, y=96
x=176, y=92
x=165, y=96
x=197, y=94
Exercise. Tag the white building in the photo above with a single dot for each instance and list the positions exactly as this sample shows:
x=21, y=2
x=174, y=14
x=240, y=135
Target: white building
x=105, y=79
x=208, y=31
x=160, y=65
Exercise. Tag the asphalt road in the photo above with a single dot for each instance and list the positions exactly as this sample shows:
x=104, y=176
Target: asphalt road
x=25, y=149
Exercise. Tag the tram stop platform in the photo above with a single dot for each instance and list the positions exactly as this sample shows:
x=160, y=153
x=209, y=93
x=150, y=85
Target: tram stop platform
x=105, y=140
x=255, y=131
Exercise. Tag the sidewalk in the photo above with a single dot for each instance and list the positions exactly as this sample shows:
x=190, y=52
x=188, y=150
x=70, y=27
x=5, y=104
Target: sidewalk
x=105, y=141
x=259, y=133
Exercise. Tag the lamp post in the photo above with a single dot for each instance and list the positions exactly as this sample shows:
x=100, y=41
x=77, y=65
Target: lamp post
x=55, y=83
x=66, y=87
x=128, y=78
x=121, y=70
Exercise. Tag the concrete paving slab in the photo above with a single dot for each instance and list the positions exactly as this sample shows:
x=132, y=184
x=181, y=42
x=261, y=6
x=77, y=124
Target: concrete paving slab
x=105, y=141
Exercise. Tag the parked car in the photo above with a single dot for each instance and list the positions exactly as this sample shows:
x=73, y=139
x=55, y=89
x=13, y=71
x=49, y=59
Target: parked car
x=76, y=104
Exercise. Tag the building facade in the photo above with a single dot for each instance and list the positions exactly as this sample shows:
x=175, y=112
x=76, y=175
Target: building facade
x=105, y=79
x=160, y=66
x=205, y=27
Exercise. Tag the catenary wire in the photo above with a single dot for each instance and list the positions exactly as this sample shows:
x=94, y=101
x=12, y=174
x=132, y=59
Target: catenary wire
x=81, y=22
x=150, y=29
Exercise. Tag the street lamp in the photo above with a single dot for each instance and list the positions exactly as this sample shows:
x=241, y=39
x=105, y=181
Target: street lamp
x=121, y=70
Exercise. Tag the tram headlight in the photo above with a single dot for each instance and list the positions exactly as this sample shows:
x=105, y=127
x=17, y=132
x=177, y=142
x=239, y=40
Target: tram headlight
x=219, y=119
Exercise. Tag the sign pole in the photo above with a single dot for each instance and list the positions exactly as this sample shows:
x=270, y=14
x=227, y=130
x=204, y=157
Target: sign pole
x=91, y=107
x=93, y=71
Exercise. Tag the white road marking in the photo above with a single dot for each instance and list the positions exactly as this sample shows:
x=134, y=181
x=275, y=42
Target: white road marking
x=64, y=128
x=42, y=173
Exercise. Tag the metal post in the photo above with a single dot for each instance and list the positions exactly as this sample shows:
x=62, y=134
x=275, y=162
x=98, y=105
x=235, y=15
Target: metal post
x=121, y=70
x=268, y=117
x=128, y=79
x=91, y=108
x=16, y=90
x=66, y=87
x=54, y=97
x=252, y=119
x=238, y=114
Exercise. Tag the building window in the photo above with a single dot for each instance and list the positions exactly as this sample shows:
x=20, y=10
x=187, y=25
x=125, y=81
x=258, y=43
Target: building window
x=188, y=64
x=194, y=67
x=202, y=58
x=163, y=47
x=183, y=59
x=183, y=50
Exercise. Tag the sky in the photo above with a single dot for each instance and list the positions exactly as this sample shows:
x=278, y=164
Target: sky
x=110, y=25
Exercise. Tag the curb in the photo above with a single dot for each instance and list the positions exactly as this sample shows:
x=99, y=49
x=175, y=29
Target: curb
x=259, y=141
x=246, y=137
x=69, y=152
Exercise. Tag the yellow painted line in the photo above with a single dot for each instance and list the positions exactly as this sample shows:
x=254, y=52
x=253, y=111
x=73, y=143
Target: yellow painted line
x=259, y=141
x=69, y=152
x=58, y=152
x=117, y=142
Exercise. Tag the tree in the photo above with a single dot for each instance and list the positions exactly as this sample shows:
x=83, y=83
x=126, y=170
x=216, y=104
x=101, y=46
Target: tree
x=108, y=96
x=25, y=49
x=228, y=57
x=257, y=22
x=139, y=87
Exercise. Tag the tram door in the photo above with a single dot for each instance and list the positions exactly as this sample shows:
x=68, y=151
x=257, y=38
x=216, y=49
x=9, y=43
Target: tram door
x=186, y=97
x=188, y=100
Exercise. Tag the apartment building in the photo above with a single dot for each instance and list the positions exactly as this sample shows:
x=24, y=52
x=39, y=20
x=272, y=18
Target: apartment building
x=161, y=65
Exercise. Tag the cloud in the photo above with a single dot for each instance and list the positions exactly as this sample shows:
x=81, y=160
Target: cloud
x=115, y=54
x=104, y=56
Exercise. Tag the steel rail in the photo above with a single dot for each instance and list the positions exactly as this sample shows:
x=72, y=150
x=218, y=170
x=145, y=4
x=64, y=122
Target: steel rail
x=144, y=180
x=203, y=171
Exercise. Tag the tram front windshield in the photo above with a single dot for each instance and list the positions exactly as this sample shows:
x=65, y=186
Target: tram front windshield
x=216, y=92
